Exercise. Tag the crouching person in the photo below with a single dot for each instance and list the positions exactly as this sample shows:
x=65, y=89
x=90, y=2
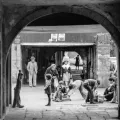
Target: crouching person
x=76, y=85
x=17, y=100
x=91, y=85
x=61, y=89
x=109, y=92
x=48, y=78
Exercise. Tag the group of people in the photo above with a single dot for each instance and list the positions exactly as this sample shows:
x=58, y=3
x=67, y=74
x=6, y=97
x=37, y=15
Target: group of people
x=60, y=87
x=66, y=87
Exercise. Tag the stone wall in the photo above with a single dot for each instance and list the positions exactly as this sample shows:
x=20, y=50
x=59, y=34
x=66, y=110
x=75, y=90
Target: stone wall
x=103, y=58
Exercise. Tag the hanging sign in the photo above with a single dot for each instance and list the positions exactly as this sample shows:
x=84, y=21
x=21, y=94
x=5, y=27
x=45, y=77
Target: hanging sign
x=57, y=37
x=61, y=37
x=53, y=37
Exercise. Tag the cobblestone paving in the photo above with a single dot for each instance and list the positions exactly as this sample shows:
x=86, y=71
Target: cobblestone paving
x=67, y=110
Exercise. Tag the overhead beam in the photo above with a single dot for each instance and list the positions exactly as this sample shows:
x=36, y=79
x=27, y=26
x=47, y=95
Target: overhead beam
x=55, y=2
x=65, y=29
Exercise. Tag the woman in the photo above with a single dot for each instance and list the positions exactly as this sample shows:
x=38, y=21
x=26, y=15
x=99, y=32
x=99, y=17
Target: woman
x=66, y=72
x=48, y=78
x=77, y=62
x=54, y=82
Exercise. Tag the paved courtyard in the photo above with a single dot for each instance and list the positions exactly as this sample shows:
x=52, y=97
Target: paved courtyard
x=34, y=101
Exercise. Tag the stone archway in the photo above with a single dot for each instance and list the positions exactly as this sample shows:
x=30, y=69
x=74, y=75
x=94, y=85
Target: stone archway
x=33, y=15
x=57, y=9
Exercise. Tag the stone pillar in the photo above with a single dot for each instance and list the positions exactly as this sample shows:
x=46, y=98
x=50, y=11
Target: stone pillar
x=0, y=70
x=15, y=58
x=103, y=58
x=118, y=66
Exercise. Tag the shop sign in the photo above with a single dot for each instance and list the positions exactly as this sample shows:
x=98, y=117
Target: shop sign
x=57, y=37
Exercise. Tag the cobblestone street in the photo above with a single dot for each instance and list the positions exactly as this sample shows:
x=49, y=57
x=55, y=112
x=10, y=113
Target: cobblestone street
x=34, y=100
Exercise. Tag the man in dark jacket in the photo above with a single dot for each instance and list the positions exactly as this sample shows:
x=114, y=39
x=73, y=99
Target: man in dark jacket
x=17, y=89
x=90, y=85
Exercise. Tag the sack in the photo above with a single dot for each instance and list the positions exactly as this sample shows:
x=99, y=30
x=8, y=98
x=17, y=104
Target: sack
x=100, y=98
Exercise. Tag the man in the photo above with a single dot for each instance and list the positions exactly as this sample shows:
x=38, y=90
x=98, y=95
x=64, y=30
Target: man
x=109, y=92
x=91, y=85
x=77, y=84
x=17, y=89
x=32, y=69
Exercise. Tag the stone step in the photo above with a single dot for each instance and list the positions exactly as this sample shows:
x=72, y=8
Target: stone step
x=76, y=77
x=76, y=71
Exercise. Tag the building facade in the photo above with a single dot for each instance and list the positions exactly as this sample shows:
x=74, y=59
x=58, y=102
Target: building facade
x=93, y=48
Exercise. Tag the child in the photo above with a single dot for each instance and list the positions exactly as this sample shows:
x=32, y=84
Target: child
x=48, y=78
x=17, y=89
x=60, y=90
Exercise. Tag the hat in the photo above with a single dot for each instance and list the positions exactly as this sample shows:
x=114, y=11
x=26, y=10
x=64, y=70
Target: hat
x=60, y=82
x=53, y=65
x=66, y=59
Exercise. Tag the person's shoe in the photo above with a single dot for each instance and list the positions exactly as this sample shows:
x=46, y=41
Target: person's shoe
x=21, y=106
x=13, y=106
x=87, y=101
x=48, y=104
x=92, y=103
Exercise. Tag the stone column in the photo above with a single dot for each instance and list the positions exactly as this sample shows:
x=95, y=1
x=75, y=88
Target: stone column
x=15, y=58
x=0, y=70
x=118, y=66
x=103, y=58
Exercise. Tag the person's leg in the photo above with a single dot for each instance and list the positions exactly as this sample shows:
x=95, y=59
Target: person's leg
x=106, y=91
x=81, y=91
x=34, y=79
x=87, y=96
x=91, y=96
x=49, y=100
x=30, y=80
x=14, y=101
x=109, y=96
x=55, y=95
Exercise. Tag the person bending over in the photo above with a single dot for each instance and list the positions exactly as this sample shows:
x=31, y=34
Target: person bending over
x=91, y=85
x=77, y=84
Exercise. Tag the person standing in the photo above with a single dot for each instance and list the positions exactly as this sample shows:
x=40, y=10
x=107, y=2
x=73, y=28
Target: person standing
x=77, y=62
x=48, y=78
x=66, y=72
x=66, y=57
x=91, y=85
x=54, y=82
x=32, y=69
x=17, y=89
